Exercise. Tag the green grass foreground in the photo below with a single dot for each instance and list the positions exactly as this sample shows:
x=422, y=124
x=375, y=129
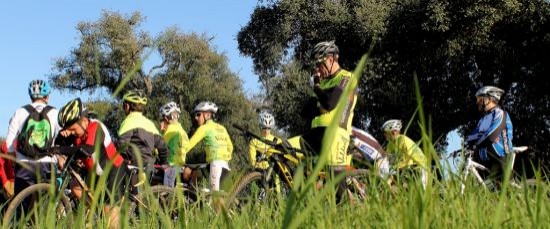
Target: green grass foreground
x=440, y=206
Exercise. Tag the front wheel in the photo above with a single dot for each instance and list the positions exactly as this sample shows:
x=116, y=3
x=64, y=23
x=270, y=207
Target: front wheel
x=35, y=206
x=249, y=190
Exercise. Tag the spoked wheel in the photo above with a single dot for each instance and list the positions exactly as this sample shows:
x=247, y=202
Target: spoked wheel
x=35, y=206
x=249, y=190
x=161, y=201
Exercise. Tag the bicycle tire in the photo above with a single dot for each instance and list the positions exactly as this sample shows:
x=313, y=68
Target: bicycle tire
x=15, y=205
x=240, y=196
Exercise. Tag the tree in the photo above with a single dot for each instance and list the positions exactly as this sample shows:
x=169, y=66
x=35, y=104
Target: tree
x=111, y=51
x=454, y=47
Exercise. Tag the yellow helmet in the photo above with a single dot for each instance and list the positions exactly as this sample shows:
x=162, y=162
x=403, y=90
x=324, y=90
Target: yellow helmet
x=70, y=113
x=135, y=96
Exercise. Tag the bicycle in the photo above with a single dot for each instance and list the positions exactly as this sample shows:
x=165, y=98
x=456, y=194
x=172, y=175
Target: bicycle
x=471, y=167
x=283, y=160
x=39, y=200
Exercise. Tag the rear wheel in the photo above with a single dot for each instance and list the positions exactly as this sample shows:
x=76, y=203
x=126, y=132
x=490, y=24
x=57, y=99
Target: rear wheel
x=35, y=206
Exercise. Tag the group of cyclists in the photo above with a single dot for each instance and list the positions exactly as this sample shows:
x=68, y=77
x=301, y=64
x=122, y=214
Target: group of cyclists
x=72, y=131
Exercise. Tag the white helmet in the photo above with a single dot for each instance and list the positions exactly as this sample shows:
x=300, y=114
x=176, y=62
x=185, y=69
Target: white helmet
x=267, y=121
x=206, y=106
x=392, y=124
x=490, y=91
x=167, y=109
x=323, y=49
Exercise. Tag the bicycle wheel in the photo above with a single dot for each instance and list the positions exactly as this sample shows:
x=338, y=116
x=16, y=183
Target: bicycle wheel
x=249, y=190
x=35, y=205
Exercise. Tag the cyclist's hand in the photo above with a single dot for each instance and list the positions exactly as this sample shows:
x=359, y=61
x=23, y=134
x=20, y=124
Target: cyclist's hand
x=8, y=188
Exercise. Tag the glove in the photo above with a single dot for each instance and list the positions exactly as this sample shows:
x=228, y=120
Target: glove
x=314, y=80
x=8, y=188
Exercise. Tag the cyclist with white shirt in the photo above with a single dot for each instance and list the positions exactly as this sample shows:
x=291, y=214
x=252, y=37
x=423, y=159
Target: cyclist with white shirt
x=39, y=167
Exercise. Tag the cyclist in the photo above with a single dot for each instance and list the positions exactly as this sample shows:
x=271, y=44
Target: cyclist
x=6, y=172
x=329, y=81
x=175, y=137
x=103, y=161
x=492, y=138
x=405, y=155
x=40, y=166
x=219, y=147
x=259, y=151
x=139, y=131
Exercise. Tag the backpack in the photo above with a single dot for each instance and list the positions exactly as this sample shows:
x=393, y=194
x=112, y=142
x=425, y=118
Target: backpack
x=35, y=136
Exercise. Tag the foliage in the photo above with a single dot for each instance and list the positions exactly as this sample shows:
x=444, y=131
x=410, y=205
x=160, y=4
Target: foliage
x=109, y=49
x=112, y=49
x=454, y=47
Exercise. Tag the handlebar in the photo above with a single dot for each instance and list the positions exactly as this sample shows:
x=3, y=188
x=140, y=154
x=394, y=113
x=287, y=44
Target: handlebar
x=278, y=146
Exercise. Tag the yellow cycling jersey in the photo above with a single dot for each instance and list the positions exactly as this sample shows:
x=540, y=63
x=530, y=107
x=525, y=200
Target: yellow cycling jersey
x=176, y=138
x=216, y=140
x=256, y=146
x=341, y=79
x=407, y=153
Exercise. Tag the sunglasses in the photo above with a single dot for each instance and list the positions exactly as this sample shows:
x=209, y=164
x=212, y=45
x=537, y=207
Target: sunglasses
x=198, y=115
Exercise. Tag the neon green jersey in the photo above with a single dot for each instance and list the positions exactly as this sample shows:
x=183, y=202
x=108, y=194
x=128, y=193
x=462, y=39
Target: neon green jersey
x=406, y=152
x=328, y=94
x=175, y=137
x=216, y=140
x=256, y=146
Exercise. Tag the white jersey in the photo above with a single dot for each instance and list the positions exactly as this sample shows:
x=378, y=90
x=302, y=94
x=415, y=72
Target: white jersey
x=16, y=124
x=366, y=144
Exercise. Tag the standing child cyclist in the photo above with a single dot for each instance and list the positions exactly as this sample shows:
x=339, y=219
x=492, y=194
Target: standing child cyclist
x=176, y=138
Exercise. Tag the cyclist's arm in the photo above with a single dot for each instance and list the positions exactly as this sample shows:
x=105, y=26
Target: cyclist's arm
x=196, y=138
x=15, y=125
x=252, y=152
x=162, y=148
x=497, y=120
x=329, y=100
x=229, y=143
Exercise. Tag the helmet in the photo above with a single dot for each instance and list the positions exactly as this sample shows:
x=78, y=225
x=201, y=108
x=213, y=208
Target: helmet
x=322, y=49
x=490, y=91
x=167, y=109
x=267, y=121
x=135, y=96
x=206, y=106
x=70, y=113
x=392, y=124
x=39, y=89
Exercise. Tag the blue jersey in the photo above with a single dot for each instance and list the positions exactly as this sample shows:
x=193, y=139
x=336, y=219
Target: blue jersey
x=487, y=125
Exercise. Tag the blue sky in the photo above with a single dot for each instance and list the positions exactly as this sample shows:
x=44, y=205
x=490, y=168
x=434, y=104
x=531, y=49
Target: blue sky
x=35, y=32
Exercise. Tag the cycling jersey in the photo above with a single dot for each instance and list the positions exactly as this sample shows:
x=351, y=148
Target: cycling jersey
x=487, y=139
x=328, y=93
x=136, y=129
x=96, y=135
x=216, y=140
x=175, y=137
x=256, y=146
x=406, y=152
